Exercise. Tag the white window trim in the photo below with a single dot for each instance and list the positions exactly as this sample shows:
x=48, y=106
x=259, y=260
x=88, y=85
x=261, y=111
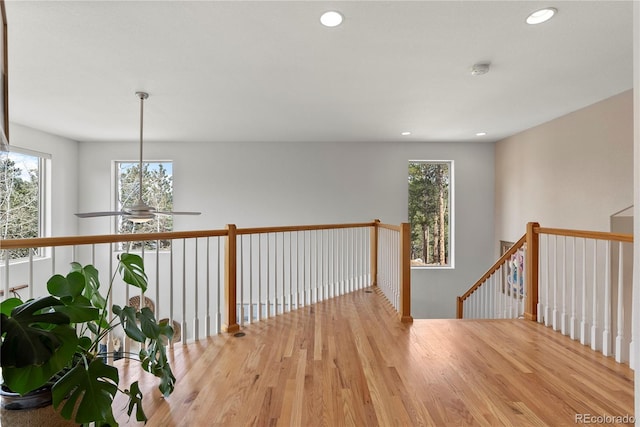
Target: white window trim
x=452, y=227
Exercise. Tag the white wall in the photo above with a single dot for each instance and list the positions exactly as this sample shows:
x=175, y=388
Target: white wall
x=261, y=184
x=572, y=172
x=636, y=265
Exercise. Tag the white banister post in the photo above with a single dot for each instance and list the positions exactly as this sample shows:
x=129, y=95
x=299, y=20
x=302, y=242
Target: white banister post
x=620, y=353
x=555, y=321
x=606, y=332
x=572, y=323
x=594, y=299
x=584, y=325
x=564, y=319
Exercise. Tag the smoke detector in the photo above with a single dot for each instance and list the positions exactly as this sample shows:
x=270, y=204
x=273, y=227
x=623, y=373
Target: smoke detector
x=480, y=69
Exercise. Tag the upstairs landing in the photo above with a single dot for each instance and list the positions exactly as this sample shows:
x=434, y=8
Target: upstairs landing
x=349, y=361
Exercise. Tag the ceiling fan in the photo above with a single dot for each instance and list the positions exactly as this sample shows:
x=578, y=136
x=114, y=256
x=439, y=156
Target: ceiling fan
x=139, y=212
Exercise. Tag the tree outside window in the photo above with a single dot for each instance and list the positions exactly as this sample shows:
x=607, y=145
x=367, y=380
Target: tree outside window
x=430, y=213
x=157, y=191
x=20, y=199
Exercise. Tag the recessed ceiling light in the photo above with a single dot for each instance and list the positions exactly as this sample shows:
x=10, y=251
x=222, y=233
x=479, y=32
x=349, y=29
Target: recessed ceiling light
x=481, y=134
x=331, y=18
x=542, y=15
x=406, y=133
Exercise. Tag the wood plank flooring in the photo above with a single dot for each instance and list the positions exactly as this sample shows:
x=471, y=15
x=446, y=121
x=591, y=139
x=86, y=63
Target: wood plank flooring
x=350, y=362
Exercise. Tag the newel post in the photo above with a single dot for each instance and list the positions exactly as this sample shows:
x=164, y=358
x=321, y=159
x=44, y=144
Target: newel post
x=459, y=308
x=532, y=265
x=405, y=273
x=230, y=272
x=374, y=252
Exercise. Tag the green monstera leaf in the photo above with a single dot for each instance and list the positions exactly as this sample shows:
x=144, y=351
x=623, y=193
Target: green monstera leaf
x=154, y=356
x=142, y=326
x=92, y=284
x=69, y=289
x=92, y=388
x=37, y=343
x=135, y=402
x=128, y=319
x=131, y=268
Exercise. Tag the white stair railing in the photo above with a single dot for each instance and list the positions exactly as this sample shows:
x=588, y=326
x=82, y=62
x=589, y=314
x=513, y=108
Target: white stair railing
x=206, y=282
x=501, y=291
x=585, y=288
x=578, y=283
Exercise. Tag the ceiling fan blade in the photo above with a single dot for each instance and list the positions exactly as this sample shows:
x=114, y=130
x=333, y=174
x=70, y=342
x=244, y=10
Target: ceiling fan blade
x=178, y=213
x=96, y=214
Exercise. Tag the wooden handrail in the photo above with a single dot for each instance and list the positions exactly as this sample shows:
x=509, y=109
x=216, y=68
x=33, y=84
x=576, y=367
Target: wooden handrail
x=48, y=242
x=40, y=242
x=14, y=289
x=495, y=267
x=599, y=235
x=289, y=228
x=390, y=227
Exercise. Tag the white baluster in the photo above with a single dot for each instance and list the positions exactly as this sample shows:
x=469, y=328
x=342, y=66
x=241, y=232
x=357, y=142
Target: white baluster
x=110, y=337
x=158, y=280
x=606, y=333
x=539, y=305
x=251, y=302
x=564, y=317
x=284, y=292
x=481, y=301
x=321, y=264
x=207, y=324
x=261, y=300
x=547, y=306
x=584, y=325
x=500, y=292
x=594, y=315
x=505, y=290
x=53, y=264
x=555, y=314
x=290, y=271
x=170, y=286
x=196, y=321
x=268, y=276
x=493, y=296
x=184, y=291
x=573, y=330
x=30, y=283
x=620, y=350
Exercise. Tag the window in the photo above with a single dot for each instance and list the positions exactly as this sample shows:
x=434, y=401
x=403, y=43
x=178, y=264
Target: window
x=157, y=191
x=431, y=213
x=22, y=197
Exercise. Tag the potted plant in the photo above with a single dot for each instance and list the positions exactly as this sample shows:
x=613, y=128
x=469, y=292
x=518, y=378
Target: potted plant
x=54, y=340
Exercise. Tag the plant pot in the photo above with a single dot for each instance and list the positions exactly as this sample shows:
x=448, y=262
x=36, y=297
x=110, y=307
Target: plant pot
x=32, y=409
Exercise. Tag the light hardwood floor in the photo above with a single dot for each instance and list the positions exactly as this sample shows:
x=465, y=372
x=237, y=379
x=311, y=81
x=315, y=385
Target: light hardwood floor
x=350, y=362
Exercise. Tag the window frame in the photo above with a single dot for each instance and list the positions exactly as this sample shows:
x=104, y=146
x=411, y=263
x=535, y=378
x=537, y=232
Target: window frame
x=43, y=207
x=116, y=168
x=451, y=225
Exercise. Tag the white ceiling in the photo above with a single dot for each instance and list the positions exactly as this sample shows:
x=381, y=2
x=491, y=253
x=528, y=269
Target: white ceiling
x=268, y=71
